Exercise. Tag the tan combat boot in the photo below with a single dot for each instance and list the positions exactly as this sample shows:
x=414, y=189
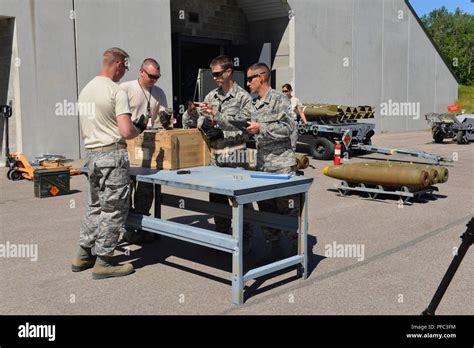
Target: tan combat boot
x=105, y=267
x=84, y=260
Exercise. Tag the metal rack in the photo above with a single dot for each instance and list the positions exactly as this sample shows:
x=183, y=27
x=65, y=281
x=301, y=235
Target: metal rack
x=373, y=191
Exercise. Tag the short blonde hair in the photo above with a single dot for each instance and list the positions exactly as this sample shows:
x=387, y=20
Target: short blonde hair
x=114, y=54
x=152, y=62
x=261, y=68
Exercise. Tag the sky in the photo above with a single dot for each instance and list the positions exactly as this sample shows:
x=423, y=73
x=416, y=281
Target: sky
x=423, y=7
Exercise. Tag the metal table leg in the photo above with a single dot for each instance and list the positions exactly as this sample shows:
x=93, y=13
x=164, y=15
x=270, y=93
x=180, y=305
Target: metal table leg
x=237, y=255
x=157, y=189
x=303, y=234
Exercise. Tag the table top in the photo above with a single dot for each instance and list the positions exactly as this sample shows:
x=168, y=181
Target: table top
x=134, y=171
x=226, y=181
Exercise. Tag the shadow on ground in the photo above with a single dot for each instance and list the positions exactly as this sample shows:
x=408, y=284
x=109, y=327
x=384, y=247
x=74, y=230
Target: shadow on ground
x=163, y=248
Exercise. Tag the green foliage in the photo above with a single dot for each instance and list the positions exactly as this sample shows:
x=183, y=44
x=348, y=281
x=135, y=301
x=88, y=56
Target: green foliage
x=453, y=33
x=466, y=98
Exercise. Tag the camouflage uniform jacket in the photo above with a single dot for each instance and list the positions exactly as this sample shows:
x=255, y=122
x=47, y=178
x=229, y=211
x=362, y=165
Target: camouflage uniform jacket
x=235, y=105
x=274, y=146
x=190, y=120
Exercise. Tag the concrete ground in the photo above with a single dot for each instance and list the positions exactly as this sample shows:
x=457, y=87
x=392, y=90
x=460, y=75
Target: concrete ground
x=407, y=250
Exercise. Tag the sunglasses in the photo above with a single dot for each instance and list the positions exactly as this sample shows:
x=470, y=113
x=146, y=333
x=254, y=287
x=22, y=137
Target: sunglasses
x=250, y=78
x=125, y=63
x=218, y=73
x=285, y=91
x=153, y=77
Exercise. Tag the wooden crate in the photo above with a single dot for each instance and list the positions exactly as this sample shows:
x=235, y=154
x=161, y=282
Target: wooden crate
x=169, y=149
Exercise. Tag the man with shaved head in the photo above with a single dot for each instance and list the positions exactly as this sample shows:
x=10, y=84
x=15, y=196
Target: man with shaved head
x=149, y=100
x=104, y=130
x=273, y=126
x=145, y=97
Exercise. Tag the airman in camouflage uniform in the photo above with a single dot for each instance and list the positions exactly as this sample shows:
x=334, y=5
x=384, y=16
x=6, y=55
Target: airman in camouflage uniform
x=236, y=105
x=274, y=126
x=104, y=132
x=228, y=144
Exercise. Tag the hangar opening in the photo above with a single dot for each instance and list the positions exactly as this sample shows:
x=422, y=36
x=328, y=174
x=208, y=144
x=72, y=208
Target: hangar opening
x=246, y=30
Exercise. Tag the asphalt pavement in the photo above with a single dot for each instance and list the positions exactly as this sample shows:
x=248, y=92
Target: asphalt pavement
x=401, y=253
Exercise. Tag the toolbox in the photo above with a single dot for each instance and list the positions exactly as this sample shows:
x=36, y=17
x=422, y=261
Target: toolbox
x=51, y=182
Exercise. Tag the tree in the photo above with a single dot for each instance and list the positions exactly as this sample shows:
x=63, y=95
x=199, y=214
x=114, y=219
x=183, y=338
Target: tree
x=453, y=33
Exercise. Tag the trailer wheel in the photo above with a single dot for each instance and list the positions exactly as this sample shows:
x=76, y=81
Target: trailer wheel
x=438, y=135
x=354, y=152
x=461, y=138
x=321, y=149
x=15, y=175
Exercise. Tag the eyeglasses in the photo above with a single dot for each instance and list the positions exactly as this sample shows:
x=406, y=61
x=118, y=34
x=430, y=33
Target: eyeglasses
x=125, y=63
x=153, y=77
x=250, y=78
x=285, y=91
x=218, y=73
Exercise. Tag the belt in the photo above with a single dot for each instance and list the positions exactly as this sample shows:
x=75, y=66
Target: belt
x=109, y=148
x=228, y=149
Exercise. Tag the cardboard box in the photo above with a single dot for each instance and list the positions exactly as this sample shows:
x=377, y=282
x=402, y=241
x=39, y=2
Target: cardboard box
x=168, y=149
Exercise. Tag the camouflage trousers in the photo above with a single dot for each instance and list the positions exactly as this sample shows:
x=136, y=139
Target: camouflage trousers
x=223, y=225
x=294, y=139
x=108, y=204
x=288, y=206
x=143, y=197
x=232, y=157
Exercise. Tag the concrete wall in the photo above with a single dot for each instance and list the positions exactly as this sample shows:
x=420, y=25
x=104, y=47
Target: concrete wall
x=422, y=75
x=48, y=74
x=218, y=19
x=45, y=69
x=141, y=27
x=388, y=58
x=276, y=32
